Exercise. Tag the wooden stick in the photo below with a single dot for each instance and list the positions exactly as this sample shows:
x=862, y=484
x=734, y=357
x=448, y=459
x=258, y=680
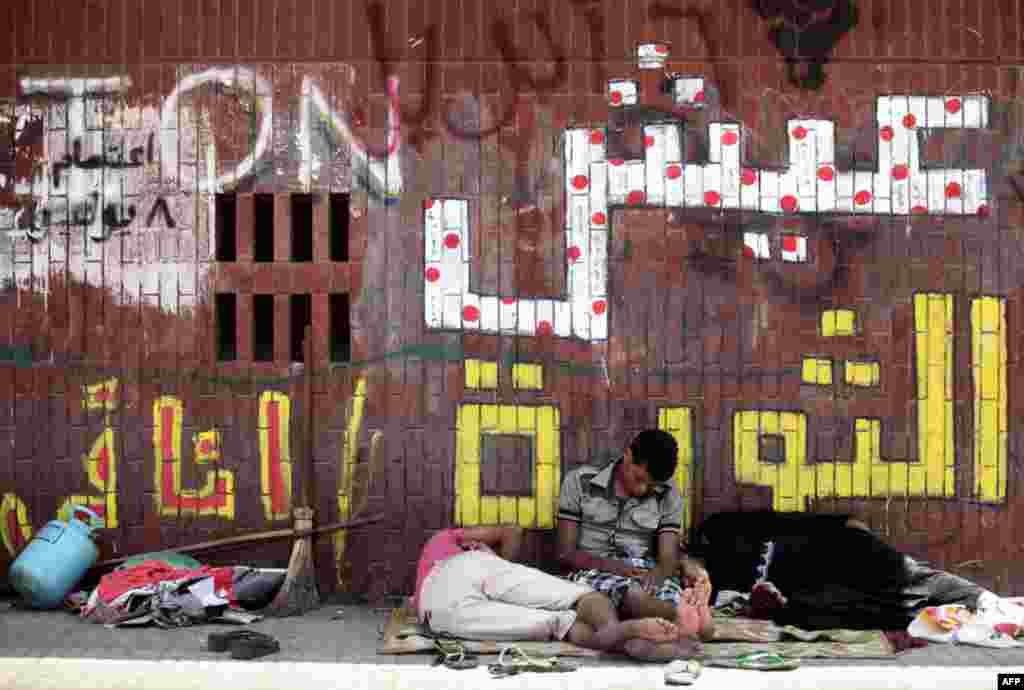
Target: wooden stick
x=254, y=537
x=309, y=494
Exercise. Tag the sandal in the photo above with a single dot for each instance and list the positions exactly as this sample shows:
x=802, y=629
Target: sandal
x=254, y=647
x=452, y=654
x=220, y=641
x=682, y=672
x=520, y=662
x=757, y=661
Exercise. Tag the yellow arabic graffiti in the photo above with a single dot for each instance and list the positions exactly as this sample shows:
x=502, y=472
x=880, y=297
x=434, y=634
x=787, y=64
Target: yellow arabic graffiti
x=793, y=480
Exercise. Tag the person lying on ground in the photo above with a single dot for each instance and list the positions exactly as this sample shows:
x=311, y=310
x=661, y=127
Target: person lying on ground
x=618, y=532
x=469, y=586
x=820, y=571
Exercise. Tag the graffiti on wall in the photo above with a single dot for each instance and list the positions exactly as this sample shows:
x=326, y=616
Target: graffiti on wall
x=595, y=187
x=106, y=169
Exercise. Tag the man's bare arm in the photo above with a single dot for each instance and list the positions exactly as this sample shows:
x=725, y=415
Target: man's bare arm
x=668, y=554
x=575, y=559
x=506, y=540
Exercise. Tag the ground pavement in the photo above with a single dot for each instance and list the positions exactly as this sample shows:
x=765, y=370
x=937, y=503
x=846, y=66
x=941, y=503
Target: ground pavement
x=336, y=645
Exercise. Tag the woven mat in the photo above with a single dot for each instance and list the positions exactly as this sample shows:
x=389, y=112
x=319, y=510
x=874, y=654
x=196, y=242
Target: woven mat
x=401, y=637
x=733, y=636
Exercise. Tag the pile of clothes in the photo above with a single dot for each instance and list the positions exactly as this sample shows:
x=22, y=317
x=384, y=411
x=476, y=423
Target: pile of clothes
x=165, y=594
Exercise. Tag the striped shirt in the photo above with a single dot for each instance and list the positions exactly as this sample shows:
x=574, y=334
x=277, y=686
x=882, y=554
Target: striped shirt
x=615, y=527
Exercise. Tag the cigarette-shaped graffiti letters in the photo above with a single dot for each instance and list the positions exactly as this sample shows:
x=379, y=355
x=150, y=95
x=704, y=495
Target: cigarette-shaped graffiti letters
x=595, y=184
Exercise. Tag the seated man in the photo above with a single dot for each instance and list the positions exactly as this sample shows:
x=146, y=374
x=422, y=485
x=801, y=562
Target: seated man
x=465, y=589
x=618, y=532
x=820, y=571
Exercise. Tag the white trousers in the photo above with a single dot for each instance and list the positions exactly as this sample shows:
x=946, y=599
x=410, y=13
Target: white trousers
x=480, y=596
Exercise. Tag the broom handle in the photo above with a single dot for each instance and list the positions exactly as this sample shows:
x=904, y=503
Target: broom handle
x=257, y=536
x=307, y=418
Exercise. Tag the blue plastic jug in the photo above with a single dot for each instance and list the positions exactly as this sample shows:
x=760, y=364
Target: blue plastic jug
x=55, y=560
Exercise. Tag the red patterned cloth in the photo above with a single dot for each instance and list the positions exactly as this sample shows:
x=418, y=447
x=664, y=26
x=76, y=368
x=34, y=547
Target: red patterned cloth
x=149, y=573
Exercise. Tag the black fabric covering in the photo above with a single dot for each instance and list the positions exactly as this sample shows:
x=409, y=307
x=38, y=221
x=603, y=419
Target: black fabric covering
x=832, y=575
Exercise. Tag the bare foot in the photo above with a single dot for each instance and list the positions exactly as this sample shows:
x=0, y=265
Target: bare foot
x=688, y=617
x=703, y=595
x=646, y=650
x=653, y=629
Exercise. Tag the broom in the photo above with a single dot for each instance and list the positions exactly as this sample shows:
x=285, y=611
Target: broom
x=299, y=593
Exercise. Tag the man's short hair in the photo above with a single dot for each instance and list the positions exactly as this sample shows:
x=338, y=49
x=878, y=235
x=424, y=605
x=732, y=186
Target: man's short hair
x=657, y=451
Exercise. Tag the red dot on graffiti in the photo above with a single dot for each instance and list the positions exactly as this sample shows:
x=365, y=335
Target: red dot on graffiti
x=451, y=240
x=748, y=177
x=953, y=190
x=699, y=96
x=919, y=209
x=598, y=218
x=616, y=162
x=673, y=172
x=597, y=137
x=433, y=275
x=580, y=182
x=599, y=306
x=788, y=203
x=661, y=50
x=205, y=447
x=748, y=251
x=862, y=197
x=826, y=173
x=730, y=138
x=983, y=211
x=712, y=198
x=616, y=97
x=470, y=313
x=789, y=243
x=909, y=121
x=544, y=328
x=886, y=133
x=103, y=396
x=799, y=133
x=953, y=105
x=635, y=197
x=648, y=141
x=508, y=300
x=574, y=253
x=900, y=172
x=429, y=203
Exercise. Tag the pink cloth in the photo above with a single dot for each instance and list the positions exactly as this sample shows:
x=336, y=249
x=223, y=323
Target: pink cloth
x=440, y=547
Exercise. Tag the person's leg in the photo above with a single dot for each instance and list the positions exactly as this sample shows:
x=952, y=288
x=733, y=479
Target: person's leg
x=691, y=613
x=598, y=627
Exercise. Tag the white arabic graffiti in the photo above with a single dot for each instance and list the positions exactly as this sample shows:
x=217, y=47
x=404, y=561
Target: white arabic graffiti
x=595, y=185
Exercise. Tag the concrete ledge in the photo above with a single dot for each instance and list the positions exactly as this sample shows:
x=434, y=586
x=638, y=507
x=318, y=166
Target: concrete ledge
x=49, y=673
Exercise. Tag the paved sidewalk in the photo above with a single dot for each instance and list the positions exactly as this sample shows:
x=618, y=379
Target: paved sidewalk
x=42, y=650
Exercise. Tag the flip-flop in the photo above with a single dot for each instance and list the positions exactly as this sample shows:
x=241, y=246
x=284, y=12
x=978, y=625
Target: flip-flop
x=253, y=647
x=519, y=661
x=221, y=641
x=757, y=661
x=682, y=672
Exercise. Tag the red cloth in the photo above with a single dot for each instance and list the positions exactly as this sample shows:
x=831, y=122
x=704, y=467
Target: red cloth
x=147, y=573
x=441, y=546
